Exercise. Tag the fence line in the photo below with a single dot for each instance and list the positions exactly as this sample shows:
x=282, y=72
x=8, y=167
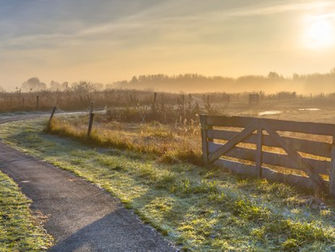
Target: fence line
x=90, y=121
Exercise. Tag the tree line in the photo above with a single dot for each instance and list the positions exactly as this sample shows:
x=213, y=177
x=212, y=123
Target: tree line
x=192, y=83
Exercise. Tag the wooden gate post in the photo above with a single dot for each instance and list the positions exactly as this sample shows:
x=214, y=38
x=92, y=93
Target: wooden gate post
x=332, y=170
x=259, y=152
x=203, y=121
x=37, y=102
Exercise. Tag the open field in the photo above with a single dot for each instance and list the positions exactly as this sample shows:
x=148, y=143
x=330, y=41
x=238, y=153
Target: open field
x=197, y=208
x=20, y=229
x=170, y=142
x=180, y=140
x=149, y=156
x=82, y=95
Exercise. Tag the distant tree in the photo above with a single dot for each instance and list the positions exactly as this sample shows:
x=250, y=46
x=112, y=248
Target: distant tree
x=57, y=86
x=83, y=91
x=273, y=82
x=250, y=79
x=274, y=76
x=113, y=85
x=54, y=85
x=296, y=76
x=98, y=86
x=83, y=87
x=134, y=79
x=65, y=85
x=33, y=84
x=2, y=90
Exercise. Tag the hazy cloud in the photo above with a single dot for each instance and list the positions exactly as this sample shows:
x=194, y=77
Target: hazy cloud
x=39, y=23
x=135, y=35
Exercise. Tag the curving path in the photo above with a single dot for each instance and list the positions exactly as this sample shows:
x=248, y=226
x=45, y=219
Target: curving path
x=80, y=216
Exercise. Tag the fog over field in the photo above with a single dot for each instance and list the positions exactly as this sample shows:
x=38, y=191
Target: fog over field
x=272, y=83
x=194, y=83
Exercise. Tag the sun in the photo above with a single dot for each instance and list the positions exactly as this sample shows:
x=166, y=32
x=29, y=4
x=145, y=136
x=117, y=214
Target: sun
x=320, y=34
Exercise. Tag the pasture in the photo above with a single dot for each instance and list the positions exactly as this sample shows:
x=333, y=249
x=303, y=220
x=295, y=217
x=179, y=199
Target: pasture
x=150, y=157
x=195, y=207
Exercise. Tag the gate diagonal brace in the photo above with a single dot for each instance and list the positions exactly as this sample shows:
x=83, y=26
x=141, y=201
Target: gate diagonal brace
x=233, y=142
x=296, y=157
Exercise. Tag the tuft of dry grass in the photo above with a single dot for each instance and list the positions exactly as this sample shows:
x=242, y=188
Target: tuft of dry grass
x=169, y=144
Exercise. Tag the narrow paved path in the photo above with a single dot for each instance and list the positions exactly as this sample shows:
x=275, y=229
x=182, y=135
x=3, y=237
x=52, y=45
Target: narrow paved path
x=81, y=217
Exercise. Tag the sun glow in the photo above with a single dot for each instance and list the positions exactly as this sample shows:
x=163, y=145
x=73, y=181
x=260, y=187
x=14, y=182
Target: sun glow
x=319, y=33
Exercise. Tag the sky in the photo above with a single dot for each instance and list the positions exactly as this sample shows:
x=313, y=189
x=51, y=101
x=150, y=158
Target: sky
x=109, y=40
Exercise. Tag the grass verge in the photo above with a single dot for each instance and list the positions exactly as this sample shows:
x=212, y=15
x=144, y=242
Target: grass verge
x=198, y=209
x=19, y=229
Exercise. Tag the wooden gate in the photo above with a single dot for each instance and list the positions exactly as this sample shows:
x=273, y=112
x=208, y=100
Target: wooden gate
x=272, y=149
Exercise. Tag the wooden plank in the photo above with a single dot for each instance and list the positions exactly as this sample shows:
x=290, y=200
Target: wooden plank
x=249, y=170
x=259, y=152
x=332, y=172
x=281, y=125
x=303, y=127
x=237, y=152
x=209, y=138
x=315, y=177
x=307, y=146
x=232, y=142
x=292, y=179
x=282, y=160
x=230, y=121
x=242, y=169
x=237, y=167
x=222, y=134
x=204, y=139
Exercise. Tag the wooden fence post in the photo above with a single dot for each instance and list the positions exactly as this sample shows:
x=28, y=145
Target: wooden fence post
x=90, y=123
x=52, y=115
x=37, y=102
x=154, y=104
x=332, y=170
x=183, y=101
x=203, y=121
x=91, y=107
x=259, y=152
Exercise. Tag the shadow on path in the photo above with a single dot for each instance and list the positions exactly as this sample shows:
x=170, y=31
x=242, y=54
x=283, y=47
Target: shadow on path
x=121, y=234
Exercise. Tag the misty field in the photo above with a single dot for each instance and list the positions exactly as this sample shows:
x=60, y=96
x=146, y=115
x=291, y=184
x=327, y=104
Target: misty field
x=178, y=138
x=145, y=149
x=195, y=207
x=81, y=95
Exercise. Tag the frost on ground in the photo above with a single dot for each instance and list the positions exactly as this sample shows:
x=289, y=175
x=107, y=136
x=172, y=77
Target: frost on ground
x=195, y=207
x=20, y=230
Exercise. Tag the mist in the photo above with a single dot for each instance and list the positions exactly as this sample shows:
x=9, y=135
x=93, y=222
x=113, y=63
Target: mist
x=304, y=84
